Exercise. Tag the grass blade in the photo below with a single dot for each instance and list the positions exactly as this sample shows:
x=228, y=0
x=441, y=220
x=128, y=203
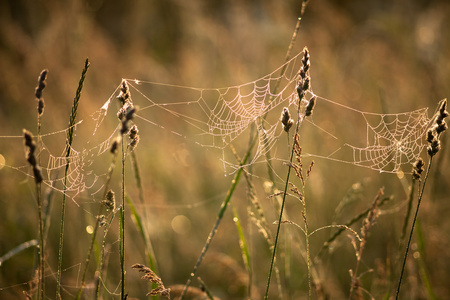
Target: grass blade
x=69, y=141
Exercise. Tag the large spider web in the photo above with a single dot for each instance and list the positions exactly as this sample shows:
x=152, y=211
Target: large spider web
x=392, y=142
x=219, y=119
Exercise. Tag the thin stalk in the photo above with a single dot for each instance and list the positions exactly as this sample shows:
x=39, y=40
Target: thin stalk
x=282, y=207
x=408, y=211
x=412, y=228
x=223, y=208
x=421, y=262
x=73, y=116
x=41, y=243
x=244, y=251
x=18, y=249
x=147, y=241
x=96, y=226
x=308, y=255
x=347, y=225
x=102, y=255
x=122, y=226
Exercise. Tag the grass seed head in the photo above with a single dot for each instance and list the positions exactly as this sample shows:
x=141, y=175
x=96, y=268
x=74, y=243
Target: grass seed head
x=31, y=158
x=41, y=84
x=134, y=137
x=102, y=220
x=41, y=105
x=434, y=147
x=418, y=168
x=110, y=200
x=152, y=277
x=286, y=120
x=310, y=106
x=124, y=94
x=114, y=146
x=443, y=109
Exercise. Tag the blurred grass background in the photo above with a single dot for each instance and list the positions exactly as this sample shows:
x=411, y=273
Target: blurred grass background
x=373, y=55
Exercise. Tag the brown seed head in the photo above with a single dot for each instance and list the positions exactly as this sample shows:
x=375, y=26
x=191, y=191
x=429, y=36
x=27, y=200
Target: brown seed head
x=431, y=135
x=41, y=106
x=110, y=200
x=41, y=84
x=305, y=59
x=310, y=106
x=443, y=109
x=286, y=120
x=434, y=147
x=124, y=94
x=441, y=127
x=134, y=137
x=114, y=146
x=418, y=168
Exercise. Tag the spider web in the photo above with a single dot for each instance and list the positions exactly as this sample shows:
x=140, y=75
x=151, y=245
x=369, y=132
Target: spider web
x=392, y=142
x=223, y=119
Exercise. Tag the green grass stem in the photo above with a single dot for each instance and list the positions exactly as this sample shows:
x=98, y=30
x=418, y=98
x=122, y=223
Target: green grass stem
x=148, y=244
x=69, y=141
x=223, y=208
x=244, y=251
x=412, y=227
x=122, y=226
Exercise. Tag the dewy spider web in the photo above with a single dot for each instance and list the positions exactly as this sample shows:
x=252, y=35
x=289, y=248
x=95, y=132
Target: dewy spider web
x=396, y=140
x=392, y=140
x=217, y=118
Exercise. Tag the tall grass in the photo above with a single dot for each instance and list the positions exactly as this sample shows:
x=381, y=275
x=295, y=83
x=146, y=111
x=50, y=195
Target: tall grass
x=69, y=141
x=310, y=268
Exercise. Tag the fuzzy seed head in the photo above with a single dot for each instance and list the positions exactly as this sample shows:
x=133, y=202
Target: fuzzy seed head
x=443, y=109
x=310, y=106
x=41, y=84
x=41, y=105
x=430, y=135
x=114, y=146
x=441, y=127
x=124, y=94
x=286, y=120
x=418, y=168
x=434, y=147
x=110, y=200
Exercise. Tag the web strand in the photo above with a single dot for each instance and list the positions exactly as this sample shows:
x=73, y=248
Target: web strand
x=215, y=118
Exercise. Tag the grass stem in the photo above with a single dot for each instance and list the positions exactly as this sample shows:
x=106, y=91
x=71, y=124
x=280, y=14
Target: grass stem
x=223, y=208
x=69, y=141
x=412, y=227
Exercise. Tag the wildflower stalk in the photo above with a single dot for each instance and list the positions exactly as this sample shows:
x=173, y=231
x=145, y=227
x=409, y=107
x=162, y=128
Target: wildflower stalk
x=126, y=114
x=433, y=148
x=35, y=161
x=412, y=228
x=31, y=158
x=41, y=244
x=303, y=87
x=122, y=226
x=69, y=141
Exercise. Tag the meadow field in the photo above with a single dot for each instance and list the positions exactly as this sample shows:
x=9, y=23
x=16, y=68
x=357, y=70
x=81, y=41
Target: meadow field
x=246, y=149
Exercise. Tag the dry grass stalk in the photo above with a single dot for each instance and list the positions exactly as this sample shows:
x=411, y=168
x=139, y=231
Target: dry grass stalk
x=152, y=277
x=31, y=157
x=368, y=222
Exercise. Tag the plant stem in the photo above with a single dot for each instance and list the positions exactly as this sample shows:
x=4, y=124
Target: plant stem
x=122, y=226
x=412, y=228
x=223, y=208
x=69, y=141
x=282, y=206
x=41, y=244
